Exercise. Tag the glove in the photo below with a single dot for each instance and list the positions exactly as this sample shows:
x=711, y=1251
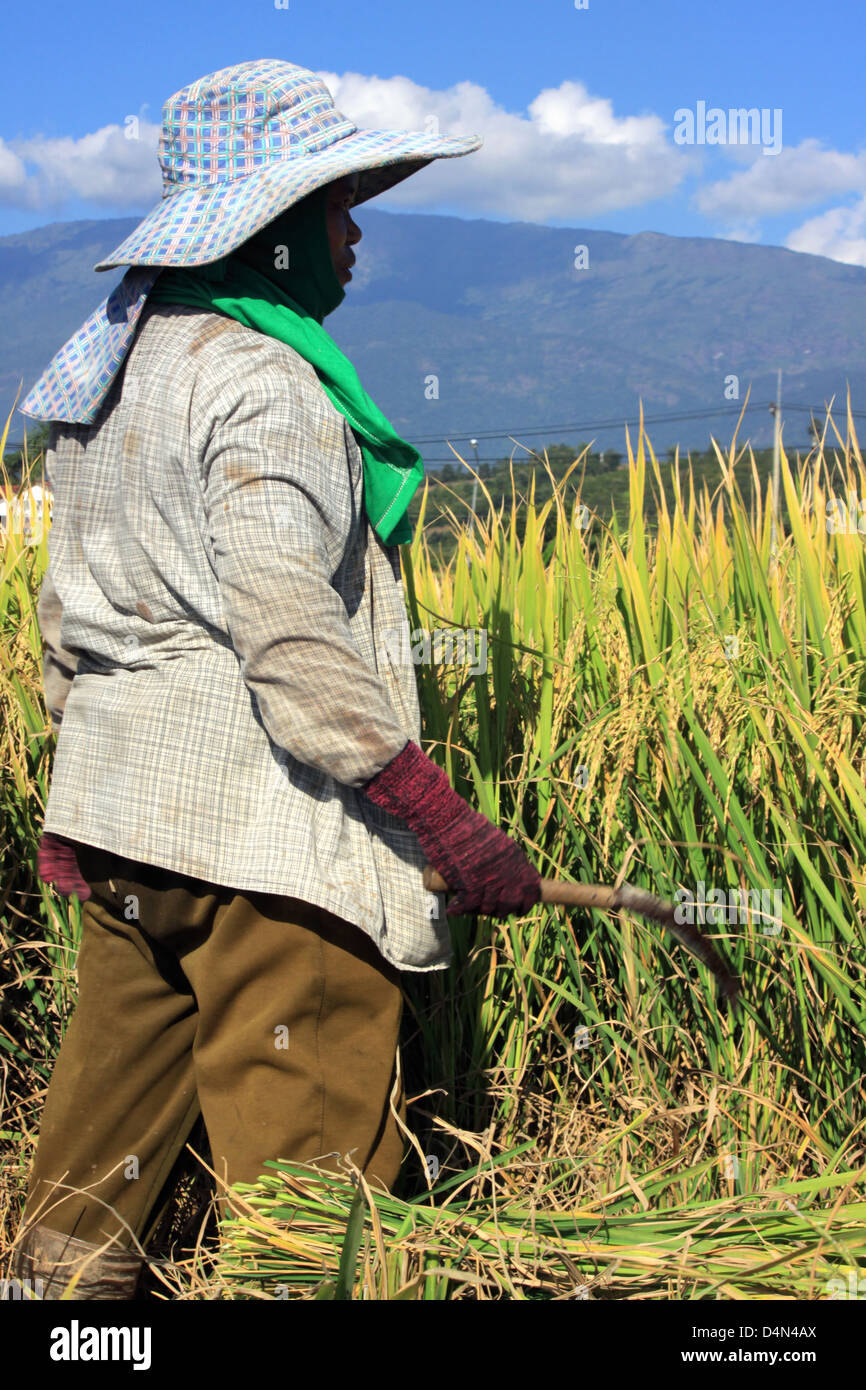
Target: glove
x=57, y=864
x=489, y=871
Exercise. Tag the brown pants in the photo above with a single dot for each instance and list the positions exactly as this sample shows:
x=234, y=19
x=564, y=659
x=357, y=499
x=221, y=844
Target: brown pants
x=274, y=1019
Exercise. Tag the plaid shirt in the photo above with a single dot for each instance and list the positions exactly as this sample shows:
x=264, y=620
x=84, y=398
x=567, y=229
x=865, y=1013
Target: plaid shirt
x=219, y=624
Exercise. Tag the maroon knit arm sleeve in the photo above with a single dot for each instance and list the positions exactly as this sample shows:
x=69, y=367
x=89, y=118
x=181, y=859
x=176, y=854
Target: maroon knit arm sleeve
x=57, y=863
x=488, y=871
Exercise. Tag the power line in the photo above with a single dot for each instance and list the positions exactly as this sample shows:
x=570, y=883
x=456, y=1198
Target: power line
x=585, y=425
x=497, y=458
x=670, y=417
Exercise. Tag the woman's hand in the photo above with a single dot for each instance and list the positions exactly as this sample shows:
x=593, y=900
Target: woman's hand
x=57, y=864
x=487, y=870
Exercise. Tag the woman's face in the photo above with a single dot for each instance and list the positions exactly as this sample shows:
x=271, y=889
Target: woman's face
x=342, y=231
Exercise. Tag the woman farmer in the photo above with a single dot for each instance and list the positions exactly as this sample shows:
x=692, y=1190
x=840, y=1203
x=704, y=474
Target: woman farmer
x=238, y=796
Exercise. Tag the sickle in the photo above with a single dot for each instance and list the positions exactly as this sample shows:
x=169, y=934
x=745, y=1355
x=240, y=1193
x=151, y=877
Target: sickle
x=637, y=900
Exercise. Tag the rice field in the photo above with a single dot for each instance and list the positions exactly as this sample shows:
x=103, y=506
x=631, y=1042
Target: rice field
x=681, y=709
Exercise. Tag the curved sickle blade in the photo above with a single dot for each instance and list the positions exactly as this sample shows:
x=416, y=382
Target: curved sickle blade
x=637, y=900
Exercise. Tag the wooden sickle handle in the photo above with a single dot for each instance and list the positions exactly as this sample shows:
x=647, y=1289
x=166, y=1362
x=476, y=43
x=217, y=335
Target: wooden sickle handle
x=554, y=890
x=638, y=900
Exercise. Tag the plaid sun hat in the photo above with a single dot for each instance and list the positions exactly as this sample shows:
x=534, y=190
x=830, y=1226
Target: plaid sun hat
x=237, y=149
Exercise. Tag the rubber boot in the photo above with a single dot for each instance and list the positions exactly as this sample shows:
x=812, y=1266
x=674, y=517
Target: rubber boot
x=50, y=1259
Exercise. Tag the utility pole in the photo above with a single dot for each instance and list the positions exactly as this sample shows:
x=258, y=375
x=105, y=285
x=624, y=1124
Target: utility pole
x=776, y=412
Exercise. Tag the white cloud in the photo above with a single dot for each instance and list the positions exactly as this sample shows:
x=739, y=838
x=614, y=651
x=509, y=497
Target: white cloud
x=13, y=175
x=105, y=168
x=568, y=157
x=839, y=233
x=797, y=177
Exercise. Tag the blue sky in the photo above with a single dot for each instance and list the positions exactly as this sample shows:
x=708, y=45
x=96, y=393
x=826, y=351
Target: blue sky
x=577, y=107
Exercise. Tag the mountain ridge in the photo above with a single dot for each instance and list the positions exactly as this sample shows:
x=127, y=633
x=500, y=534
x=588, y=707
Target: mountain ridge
x=514, y=335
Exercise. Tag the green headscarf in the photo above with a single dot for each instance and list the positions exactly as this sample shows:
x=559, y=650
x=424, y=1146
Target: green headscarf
x=289, y=304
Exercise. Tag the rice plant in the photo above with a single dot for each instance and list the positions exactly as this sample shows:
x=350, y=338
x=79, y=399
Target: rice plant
x=298, y=1234
x=39, y=930
x=684, y=710
x=681, y=708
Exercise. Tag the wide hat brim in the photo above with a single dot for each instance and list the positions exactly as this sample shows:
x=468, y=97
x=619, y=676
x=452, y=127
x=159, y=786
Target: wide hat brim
x=197, y=225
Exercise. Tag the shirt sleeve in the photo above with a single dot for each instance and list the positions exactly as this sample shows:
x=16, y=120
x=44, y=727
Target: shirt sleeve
x=58, y=665
x=279, y=506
